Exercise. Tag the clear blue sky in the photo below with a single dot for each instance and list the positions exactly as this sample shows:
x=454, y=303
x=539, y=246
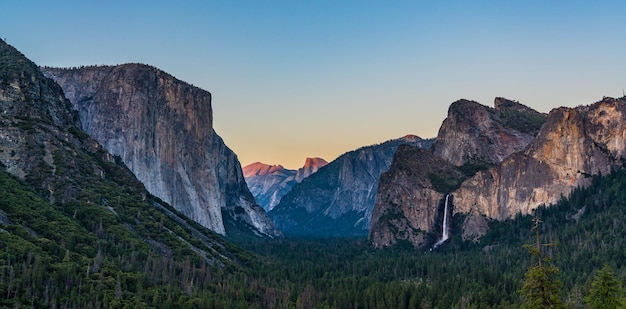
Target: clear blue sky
x=292, y=79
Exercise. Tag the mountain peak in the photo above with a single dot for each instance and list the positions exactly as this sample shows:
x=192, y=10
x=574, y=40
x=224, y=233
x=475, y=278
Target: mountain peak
x=504, y=105
x=125, y=108
x=314, y=163
x=268, y=183
x=500, y=103
x=411, y=138
x=261, y=169
x=311, y=165
x=463, y=105
x=22, y=81
x=473, y=131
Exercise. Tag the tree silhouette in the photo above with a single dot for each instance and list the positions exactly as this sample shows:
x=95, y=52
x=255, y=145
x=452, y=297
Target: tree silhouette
x=606, y=291
x=541, y=289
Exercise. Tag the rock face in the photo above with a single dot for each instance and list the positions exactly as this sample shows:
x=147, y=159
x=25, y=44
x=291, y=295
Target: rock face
x=472, y=138
x=35, y=120
x=311, y=165
x=268, y=183
x=574, y=144
x=338, y=200
x=407, y=206
x=476, y=132
x=162, y=130
x=95, y=202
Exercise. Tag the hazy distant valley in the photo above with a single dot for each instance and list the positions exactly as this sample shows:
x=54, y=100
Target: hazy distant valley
x=115, y=190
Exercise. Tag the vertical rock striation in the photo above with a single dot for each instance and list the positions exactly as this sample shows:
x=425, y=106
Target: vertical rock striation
x=574, y=144
x=472, y=138
x=570, y=146
x=162, y=130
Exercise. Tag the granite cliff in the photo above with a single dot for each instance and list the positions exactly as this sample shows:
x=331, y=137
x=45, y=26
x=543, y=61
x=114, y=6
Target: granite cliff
x=161, y=128
x=474, y=132
x=574, y=144
x=472, y=138
x=73, y=211
x=338, y=200
x=268, y=183
x=36, y=120
x=311, y=165
x=408, y=207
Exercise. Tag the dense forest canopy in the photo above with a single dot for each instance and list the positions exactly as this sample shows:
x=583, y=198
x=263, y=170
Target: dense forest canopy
x=50, y=257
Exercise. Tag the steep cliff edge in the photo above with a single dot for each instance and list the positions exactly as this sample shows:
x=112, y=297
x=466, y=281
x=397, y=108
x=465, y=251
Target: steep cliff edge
x=70, y=211
x=407, y=205
x=269, y=183
x=311, y=165
x=338, y=200
x=472, y=138
x=574, y=144
x=162, y=130
x=474, y=132
x=35, y=118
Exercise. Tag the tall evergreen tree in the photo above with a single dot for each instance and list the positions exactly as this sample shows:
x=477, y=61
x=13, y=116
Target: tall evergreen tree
x=606, y=291
x=541, y=288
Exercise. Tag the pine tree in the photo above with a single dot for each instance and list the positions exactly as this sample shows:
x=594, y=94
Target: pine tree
x=541, y=288
x=606, y=291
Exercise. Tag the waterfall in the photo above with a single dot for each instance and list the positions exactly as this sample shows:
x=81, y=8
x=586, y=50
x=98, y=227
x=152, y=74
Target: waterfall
x=446, y=227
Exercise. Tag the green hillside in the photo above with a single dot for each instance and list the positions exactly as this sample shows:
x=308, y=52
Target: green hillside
x=78, y=230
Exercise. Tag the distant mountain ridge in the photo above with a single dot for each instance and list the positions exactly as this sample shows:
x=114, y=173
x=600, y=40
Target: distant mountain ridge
x=268, y=183
x=162, y=130
x=337, y=201
x=311, y=165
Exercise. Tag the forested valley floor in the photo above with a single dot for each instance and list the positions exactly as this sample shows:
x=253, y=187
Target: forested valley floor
x=52, y=266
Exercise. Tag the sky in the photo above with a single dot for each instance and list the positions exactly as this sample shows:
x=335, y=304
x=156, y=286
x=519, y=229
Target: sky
x=296, y=79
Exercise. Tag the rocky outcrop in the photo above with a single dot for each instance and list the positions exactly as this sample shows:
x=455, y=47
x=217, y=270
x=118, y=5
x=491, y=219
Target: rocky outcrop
x=311, y=165
x=162, y=130
x=407, y=206
x=574, y=144
x=95, y=202
x=338, y=200
x=268, y=183
x=472, y=138
x=474, y=132
x=474, y=226
x=35, y=121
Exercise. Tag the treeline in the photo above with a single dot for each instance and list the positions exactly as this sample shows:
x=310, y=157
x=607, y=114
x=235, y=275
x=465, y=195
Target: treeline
x=102, y=242
x=56, y=255
x=588, y=228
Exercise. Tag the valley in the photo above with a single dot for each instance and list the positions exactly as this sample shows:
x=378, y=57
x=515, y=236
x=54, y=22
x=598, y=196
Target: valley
x=116, y=191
